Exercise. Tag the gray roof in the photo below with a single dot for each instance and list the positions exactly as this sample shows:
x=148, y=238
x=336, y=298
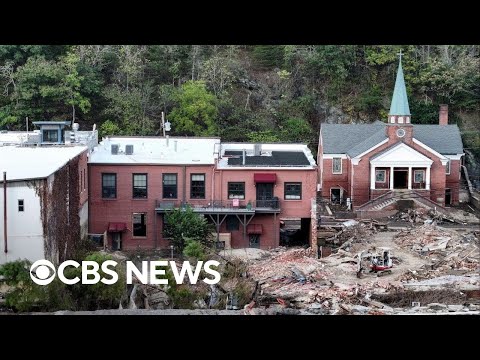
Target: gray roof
x=351, y=139
x=444, y=139
x=354, y=139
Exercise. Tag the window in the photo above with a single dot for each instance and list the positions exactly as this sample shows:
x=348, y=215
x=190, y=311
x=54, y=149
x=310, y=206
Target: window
x=21, y=206
x=236, y=190
x=419, y=176
x=447, y=167
x=109, y=186
x=380, y=175
x=139, y=186
x=169, y=186
x=50, y=136
x=337, y=165
x=139, y=224
x=293, y=191
x=232, y=223
x=197, y=186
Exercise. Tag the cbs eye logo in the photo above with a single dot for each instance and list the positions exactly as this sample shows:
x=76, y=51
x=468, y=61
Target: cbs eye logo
x=42, y=272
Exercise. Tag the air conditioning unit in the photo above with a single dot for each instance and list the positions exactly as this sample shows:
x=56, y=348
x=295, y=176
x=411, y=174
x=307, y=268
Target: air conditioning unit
x=114, y=148
x=129, y=149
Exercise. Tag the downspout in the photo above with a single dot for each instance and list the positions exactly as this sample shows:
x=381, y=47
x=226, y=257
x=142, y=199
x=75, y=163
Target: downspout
x=5, y=248
x=184, y=186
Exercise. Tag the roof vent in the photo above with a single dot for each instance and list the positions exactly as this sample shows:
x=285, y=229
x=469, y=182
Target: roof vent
x=128, y=149
x=257, y=149
x=114, y=149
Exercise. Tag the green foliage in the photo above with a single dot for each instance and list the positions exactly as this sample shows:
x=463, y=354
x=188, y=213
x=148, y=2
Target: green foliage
x=196, y=110
x=471, y=141
x=28, y=296
x=181, y=224
x=99, y=295
x=269, y=55
x=194, y=249
x=296, y=130
x=267, y=136
x=109, y=128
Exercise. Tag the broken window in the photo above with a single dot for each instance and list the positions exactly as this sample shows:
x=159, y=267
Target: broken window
x=197, y=186
x=139, y=224
x=337, y=165
x=21, y=206
x=293, y=191
x=419, y=176
x=139, y=186
x=380, y=175
x=236, y=190
x=109, y=186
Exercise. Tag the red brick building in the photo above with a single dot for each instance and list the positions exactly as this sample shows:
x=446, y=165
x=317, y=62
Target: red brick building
x=247, y=191
x=371, y=166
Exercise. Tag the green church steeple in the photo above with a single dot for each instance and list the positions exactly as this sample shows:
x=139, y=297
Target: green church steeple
x=399, y=110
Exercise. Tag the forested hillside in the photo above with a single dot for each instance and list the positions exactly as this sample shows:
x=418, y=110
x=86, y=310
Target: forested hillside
x=238, y=92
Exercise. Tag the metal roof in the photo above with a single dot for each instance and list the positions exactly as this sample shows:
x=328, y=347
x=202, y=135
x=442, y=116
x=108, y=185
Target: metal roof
x=399, y=105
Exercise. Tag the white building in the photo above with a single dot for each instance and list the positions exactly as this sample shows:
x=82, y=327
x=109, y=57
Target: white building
x=45, y=195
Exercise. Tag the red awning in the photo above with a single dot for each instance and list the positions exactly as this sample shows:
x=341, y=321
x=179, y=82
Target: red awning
x=117, y=227
x=254, y=229
x=265, y=178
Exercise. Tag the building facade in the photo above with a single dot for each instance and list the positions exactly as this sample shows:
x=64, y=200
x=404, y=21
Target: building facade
x=44, y=189
x=370, y=166
x=244, y=190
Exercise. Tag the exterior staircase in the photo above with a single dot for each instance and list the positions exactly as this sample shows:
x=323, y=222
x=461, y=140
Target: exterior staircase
x=392, y=197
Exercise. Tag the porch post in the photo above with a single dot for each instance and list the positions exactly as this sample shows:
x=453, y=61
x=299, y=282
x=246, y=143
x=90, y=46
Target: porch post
x=391, y=177
x=427, y=180
x=372, y=177
x=409, y=178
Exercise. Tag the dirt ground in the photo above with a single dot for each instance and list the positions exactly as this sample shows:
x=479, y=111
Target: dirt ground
x=404, y=259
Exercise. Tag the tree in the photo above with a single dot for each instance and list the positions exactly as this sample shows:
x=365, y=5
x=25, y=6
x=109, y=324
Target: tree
x=196, y=110
x=184, y=223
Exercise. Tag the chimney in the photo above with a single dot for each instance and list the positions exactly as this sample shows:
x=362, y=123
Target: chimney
x=443, y=115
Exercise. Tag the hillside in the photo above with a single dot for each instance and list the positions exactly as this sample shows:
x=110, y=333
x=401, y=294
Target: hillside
x=238, y=92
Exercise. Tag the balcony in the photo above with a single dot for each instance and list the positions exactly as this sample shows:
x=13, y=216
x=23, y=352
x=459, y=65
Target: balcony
x=221, y=206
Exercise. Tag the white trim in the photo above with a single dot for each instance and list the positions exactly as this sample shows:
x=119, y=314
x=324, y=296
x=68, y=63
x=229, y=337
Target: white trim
x=409, y=178
x=335, y=188
x=430, y=150
x=341, y=166
x=355, y=161
x=448, y=166
x=372, y=177
x=331, y=156
x=427, y=180
x=391, y=177
x=371, y=149
x=421, y=160
x=454, y=157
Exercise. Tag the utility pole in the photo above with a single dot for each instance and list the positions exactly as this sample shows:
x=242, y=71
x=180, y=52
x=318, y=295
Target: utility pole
x=163, y=123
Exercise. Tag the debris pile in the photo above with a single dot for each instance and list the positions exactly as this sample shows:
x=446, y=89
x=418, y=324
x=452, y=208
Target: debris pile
x=446, y=250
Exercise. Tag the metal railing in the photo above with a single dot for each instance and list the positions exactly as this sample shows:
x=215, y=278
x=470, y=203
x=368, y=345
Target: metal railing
x=273, y=204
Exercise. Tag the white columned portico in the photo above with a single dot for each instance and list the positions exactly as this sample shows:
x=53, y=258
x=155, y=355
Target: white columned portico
x=404, y=157
x=372, y=177
x=427, y=180
x=409, y=178
x=391, y=177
